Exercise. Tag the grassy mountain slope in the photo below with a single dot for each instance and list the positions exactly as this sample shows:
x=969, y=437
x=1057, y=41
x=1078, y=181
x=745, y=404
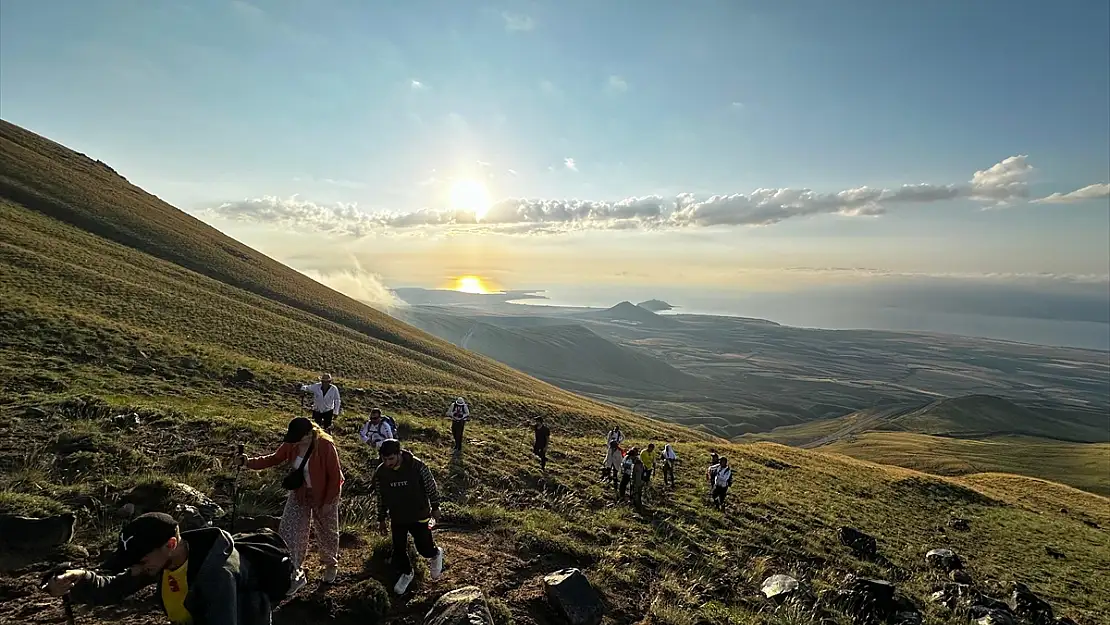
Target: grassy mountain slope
x=570, y=355
x=123, y=327
x=1083, y=465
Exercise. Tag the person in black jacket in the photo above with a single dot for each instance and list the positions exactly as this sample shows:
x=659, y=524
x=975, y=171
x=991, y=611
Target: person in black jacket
x=201, y=578
x=408, y=495
x=539, y=447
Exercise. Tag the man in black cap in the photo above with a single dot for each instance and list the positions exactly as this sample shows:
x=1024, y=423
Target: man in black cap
x=408, y=494
x=200, y=576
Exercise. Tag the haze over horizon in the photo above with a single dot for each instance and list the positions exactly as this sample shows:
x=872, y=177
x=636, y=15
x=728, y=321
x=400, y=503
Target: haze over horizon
x=864, y=165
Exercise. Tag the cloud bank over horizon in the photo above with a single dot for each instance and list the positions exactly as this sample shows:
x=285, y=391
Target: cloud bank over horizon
x=998, y=186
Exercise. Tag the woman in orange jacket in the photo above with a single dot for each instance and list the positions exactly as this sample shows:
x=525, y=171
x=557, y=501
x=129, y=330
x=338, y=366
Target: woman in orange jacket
x=315, y=482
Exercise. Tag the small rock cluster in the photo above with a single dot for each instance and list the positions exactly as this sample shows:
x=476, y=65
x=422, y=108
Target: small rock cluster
x=878, y=602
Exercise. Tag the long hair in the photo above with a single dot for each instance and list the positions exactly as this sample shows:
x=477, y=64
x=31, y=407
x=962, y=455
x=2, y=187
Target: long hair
x=320, y=433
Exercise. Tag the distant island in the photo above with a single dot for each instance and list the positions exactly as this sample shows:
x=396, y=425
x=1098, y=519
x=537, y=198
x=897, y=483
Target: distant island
x=655, y=305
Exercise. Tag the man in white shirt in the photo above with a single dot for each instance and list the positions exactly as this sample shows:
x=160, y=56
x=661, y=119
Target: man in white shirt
x=459, y=413
x=325, y=401
x=377, y=430
x=721, y=479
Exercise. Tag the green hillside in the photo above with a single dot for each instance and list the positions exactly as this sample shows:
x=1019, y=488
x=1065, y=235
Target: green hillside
x=1083, y=465
x=138, y=345
x=569, y=354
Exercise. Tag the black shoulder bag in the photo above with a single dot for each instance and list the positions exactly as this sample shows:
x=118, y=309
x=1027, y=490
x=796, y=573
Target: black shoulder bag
x=295, y=478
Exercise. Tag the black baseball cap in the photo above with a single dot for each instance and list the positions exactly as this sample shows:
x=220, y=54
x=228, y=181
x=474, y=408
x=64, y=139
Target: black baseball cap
x=139, y=537
x=298, y=427
x=390, y=446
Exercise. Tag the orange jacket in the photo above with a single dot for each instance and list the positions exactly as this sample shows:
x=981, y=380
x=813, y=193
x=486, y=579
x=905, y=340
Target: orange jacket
x=323, y=469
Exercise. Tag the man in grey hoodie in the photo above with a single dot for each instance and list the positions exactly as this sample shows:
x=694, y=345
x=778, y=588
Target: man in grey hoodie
x=200, y=576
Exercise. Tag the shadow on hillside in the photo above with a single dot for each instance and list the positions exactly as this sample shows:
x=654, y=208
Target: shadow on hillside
x=455, y=487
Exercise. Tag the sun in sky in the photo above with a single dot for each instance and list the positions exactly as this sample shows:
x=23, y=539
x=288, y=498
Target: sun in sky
x=471, y=196
x=471, y=284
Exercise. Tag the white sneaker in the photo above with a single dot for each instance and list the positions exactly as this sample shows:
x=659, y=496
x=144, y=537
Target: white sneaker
x=299, y=582
x=329, y=574
x=435, y=564
x=402, y=584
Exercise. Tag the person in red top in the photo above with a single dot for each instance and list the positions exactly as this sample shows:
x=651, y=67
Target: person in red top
x=315, y=498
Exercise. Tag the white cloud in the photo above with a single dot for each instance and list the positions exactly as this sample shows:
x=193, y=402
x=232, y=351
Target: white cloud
x=1001, y=183
x=518, y=23
x=247, y=10
x=417, y=85
x=616, y=84
x=1099, y=191
x=512, y=172
x=737, y=106
x=357, y=283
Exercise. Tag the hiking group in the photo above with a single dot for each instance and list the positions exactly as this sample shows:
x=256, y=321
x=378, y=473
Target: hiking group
x=211, y=576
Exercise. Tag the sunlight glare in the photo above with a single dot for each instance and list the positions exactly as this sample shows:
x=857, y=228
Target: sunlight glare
x=471, y=284
x=470, y=196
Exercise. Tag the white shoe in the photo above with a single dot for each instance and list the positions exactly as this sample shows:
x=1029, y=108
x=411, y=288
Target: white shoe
x=299, y=582
x=329, y=574
x=402, y=584
x=435, y=564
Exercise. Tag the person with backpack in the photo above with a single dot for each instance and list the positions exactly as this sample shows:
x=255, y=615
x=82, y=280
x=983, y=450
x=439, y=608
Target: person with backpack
x=615, y=435
x=459, y=414
x=409, y=497
x=202, y=576
x=325, y=401
x=647, y=458
x=639, y=480
x=669, y=458
x=378, y=429
x=722, y=479
x=315, y=483
x=627, y=466
x=611, y=468
x=539, y=445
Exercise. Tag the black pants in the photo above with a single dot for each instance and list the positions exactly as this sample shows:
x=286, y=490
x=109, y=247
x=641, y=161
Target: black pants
x=457, y=431
x=719, y=493
x=668, y=473
x=421, y=537
x=625, y=480
x=323, y=419
x=541, y=453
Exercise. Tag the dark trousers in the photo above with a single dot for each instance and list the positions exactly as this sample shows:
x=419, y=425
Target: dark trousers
x=668, y=473
x=541, y=453
x=421, y=537
x=719, y=493
x=323, y=419
x=625, y=480
x=457, y=431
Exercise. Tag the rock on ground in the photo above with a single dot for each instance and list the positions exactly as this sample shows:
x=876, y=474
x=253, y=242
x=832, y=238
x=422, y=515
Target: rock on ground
x=778, y=586
x=573, y=597
x=163, y=497
x=463, y=606
x=34, y=534
x=861, y=544
x=944, y=559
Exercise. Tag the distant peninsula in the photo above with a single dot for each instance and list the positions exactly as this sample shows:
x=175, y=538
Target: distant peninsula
x=655, y=305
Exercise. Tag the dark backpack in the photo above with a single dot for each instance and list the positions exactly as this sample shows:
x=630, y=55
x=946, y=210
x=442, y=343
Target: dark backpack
x=271, y=567
x=392, y=425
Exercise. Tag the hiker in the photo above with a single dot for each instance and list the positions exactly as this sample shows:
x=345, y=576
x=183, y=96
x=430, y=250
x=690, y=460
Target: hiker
x=325, y=401
x=315, y=483
x=377, y=430
x=627, y=466
x=611, y=468
x=722, y=479
x=647, y=457
x=408, y=494
x=201, y=577
x=639, y=480
x=459, y=413
x=539, y=447
x=669, y=458
x=615, y=435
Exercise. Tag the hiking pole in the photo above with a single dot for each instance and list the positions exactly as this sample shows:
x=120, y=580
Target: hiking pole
x=235, y=492
x=67, y=602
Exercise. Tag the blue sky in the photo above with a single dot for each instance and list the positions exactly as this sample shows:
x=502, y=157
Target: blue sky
x=381, y=106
